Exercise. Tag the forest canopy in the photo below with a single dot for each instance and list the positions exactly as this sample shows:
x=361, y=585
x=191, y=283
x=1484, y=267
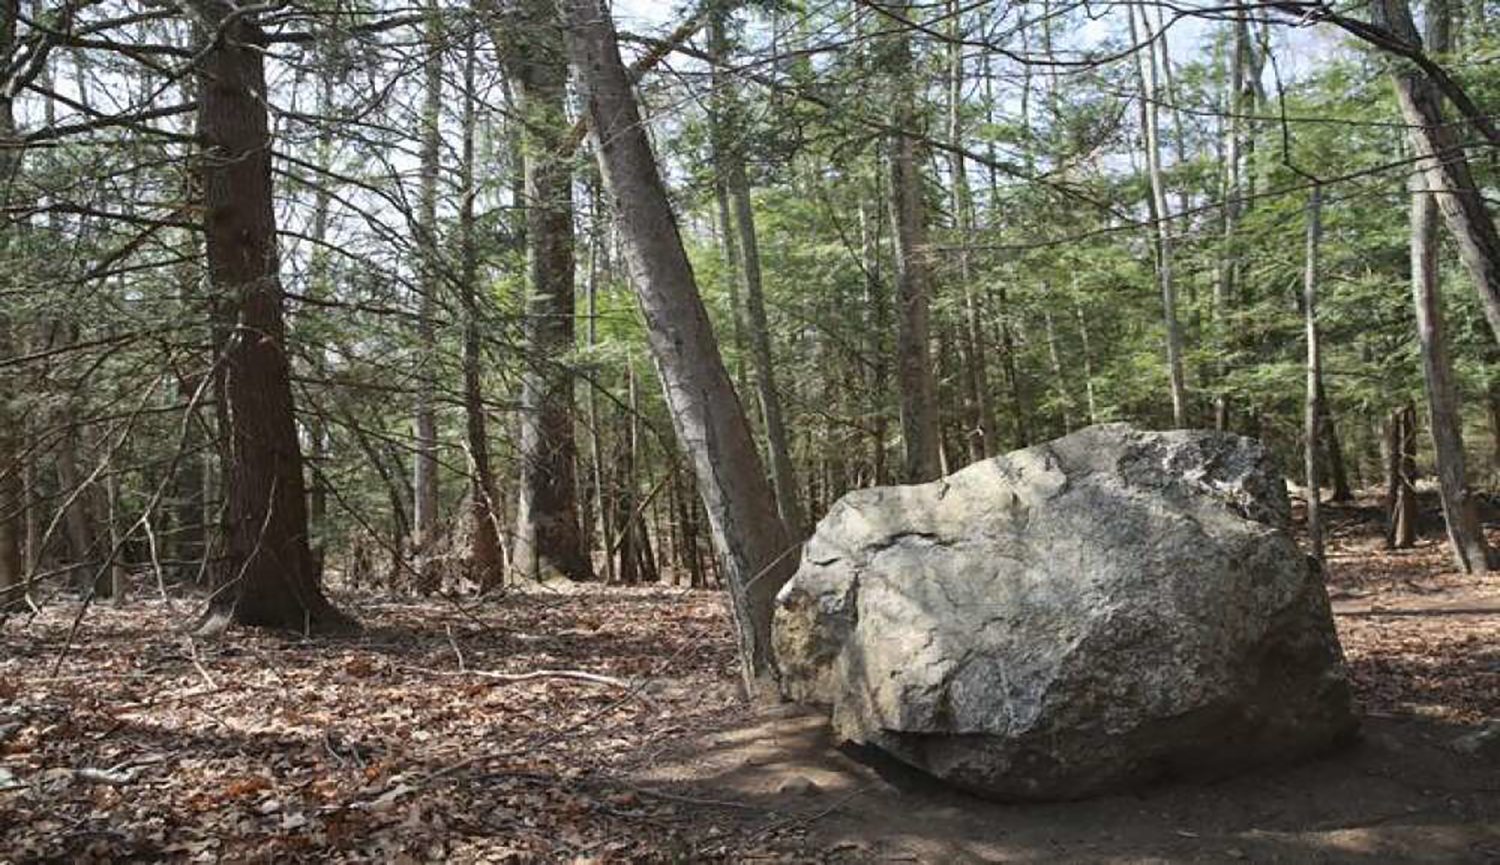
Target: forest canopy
x=303, y=296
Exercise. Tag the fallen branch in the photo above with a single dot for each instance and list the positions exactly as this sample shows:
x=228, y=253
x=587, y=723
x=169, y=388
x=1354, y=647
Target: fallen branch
x=575, y=675
x=1418, y=611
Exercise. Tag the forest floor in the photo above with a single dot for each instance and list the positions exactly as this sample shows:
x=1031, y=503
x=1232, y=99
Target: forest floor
x=408, y=742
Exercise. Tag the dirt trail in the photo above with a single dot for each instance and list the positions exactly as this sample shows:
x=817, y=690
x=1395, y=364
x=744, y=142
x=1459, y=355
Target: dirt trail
x=1398, y=796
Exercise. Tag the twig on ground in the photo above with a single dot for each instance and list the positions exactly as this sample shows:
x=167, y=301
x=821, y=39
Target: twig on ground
x=456, y=650
x=192, y=648
x=575, y=675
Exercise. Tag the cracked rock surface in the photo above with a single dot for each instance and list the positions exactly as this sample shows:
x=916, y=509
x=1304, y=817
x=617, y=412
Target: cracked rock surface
x=1100, y=611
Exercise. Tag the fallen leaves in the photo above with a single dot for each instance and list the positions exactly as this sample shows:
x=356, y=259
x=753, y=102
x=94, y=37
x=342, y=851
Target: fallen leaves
x=375, y=748
x=508, y=733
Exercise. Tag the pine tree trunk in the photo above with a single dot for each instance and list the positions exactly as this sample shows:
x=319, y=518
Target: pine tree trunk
x=12, y=493
x=78, y=517
x=979, y=432
x=271, y=579
x=753, y=544
x=914, y=377
x=424, y=459
x=485, y=553
x=548, y=536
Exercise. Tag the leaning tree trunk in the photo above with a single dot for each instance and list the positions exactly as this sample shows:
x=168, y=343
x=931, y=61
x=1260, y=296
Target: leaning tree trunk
x=548, y=536
x=1445, y=166
x=1460, y=511
x=750, y=538
x=271, y=578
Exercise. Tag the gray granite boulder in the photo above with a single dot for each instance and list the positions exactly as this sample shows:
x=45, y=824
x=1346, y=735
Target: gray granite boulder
x=1107, y=609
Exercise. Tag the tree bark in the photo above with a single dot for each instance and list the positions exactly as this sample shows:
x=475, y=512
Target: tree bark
x=12, y=492
x=1149, y=89
x=1445, y=166
x=1338, y=473
x=602, y=497
x=271, y=580
x=548, y=537
x=1401, y=471
x=980, y=421
x=424, y=484
x=486, y=555
x=1460, y=512
x=877, y=331
x=1312, y=422
x=731, y=160
x=914, y=376
x=752, y=543
x=1227, y=277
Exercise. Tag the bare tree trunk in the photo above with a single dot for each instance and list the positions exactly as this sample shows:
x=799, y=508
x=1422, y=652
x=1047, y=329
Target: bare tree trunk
x=979, y=432
x=601, y=476
x=1460, y=514
x=876, y=333
x=914, y=376
x=485, y=553
x=424, y=459
x=732, y=164
x=1401, y=471
x=753, y=544
x=12, y=492
x=548, y=537
x=1001, y=305
x=627, y=487
x=1150, y=94
x=1059, y=375
x=272, y=581
x=1445, y=166
x=1088, y=358
x=78, y=517
x=1227, y=277
x=1338, y=474
x=1312, y=422
x=1492, y=402
x=118, y=572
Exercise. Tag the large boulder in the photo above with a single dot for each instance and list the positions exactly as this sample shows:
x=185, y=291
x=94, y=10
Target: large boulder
x=1111, y=608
